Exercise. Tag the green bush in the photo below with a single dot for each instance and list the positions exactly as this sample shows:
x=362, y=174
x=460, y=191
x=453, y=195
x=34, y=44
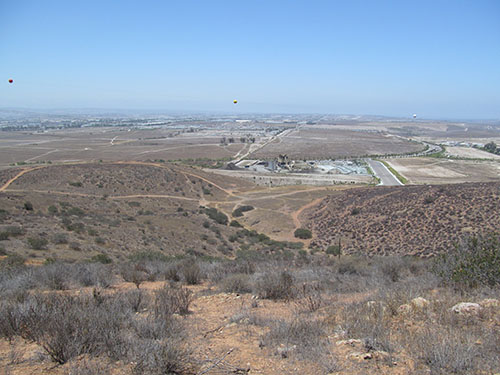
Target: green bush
x=474, y=262
x=302, y=233
x=60, y=238
x=101, y=258
x=100, y=241
x=13, y=230
x=334, y=250
x=239, y=211
x=28, y=206
x=37, y=243
x=235, y=224
x=216, y=216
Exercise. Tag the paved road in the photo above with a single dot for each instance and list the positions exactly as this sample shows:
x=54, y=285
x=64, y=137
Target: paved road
x=385, y=175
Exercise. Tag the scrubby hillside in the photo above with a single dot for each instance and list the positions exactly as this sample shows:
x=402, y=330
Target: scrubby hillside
x=75, y=212
x=417, y=220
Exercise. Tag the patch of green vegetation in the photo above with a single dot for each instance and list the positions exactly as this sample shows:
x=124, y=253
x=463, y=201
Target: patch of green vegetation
x=473, y=263
x=240, y=210
x=439, y=154
x=101, y=258
x=491, y=147
x=75, y=183
x=216, y=216
x=334, y=250
x=37, y=243
x=3, y=214
x=235, y=224
x=14, y=231
x=302, y=233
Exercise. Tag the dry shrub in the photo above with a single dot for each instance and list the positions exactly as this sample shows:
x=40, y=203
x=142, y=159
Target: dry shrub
x=66, y=327
x=133, y=273
x=171, y=300
x=159, y=357
x=237, y=283
x=311, y=297
x=191, y=272
x=367, y=321
x=276, y=286
x=301, y=338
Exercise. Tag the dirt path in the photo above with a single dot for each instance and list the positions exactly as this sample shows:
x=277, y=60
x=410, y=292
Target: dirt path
x=6, y=185
x=295, y=214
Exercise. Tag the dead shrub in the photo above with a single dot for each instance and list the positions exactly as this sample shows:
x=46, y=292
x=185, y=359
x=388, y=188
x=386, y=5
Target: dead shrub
x=171, y=300
x=367, y=321
x=276, y=286
x=133, y=273
x=191, y=272
x=302, y=337
x=311, y=297
x=159, y=357
x=66, y=327
x=237, y=283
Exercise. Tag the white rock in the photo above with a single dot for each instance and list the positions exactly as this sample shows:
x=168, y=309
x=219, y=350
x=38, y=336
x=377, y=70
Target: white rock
x=419, y=303
x=466, y=308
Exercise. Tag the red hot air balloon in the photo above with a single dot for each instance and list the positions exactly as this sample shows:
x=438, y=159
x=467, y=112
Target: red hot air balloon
x=11, y=80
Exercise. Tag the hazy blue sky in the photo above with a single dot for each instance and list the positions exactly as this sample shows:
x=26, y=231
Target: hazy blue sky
x=434, y=58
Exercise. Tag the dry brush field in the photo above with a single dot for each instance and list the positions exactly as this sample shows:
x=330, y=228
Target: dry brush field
x=417, y=220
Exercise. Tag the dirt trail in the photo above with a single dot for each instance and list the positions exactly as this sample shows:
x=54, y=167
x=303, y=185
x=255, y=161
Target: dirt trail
x=229, y=192
x=295, y=214
x=6, y=185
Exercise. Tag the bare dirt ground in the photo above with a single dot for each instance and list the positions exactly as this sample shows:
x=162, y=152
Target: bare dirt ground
x=112, y=144
x=470, y=153
x=445, y=171
x=310, y=142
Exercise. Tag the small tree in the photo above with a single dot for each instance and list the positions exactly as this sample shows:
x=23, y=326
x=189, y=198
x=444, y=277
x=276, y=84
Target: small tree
x=37, y=243
x=303, y=233
x=334, y=250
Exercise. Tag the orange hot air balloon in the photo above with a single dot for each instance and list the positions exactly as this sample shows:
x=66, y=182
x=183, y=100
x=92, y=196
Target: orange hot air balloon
x=11, y=80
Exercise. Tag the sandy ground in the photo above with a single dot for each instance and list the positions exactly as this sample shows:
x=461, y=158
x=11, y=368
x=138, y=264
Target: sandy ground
x=471, y=153
x=445, y=171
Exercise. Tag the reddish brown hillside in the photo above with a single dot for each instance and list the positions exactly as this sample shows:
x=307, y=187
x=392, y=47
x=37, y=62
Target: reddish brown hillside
x=420, y=220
